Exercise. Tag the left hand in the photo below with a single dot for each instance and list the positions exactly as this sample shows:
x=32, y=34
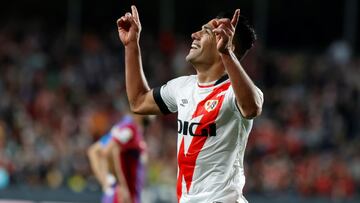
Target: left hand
x=224, y=31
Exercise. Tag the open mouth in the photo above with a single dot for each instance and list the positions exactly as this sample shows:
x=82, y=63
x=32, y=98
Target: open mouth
x=195, y=46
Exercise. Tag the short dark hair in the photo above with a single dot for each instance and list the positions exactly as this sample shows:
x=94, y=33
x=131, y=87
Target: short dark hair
x=245, y=35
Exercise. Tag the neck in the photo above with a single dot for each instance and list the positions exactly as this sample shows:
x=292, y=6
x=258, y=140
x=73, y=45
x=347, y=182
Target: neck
x=206, y=74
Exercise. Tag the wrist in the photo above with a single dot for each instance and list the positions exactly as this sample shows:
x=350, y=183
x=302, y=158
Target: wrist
x=226, y=53
x=132, y=45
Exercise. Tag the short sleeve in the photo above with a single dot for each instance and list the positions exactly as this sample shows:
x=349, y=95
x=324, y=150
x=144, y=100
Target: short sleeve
x=122, y=135
x=165, y=97
x=104, y=140
x=232, y=103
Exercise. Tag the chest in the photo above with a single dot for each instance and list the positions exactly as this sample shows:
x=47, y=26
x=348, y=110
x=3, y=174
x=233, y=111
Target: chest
x=201, y=111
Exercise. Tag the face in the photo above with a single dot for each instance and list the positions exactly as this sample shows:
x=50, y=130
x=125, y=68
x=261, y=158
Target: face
x=203, y=48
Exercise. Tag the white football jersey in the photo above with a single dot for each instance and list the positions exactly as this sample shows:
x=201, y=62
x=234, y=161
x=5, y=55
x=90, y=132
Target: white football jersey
x=212, y=136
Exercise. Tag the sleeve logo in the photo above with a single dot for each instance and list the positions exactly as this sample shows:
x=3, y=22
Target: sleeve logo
x=211, y=105
x=184, y=102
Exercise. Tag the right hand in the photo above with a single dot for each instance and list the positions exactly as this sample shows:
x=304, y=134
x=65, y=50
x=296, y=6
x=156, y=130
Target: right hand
x=129, y=27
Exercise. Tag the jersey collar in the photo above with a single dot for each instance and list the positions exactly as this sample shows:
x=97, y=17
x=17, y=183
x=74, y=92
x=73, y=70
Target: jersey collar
x=214, y=83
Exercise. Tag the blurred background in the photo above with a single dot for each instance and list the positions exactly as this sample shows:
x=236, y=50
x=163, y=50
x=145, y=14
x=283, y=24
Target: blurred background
x=62, y=83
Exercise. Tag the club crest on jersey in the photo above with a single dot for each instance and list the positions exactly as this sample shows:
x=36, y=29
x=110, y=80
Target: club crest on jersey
x=211, y=105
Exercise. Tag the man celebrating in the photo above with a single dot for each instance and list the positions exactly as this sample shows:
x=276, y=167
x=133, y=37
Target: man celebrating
x=215, y=107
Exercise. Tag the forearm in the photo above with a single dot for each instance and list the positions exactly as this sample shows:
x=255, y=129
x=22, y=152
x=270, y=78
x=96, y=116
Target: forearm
x=136, y=84
x=249, y=97
x=98, y=166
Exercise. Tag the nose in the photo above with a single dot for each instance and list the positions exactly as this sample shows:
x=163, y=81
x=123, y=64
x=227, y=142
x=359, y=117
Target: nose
x=195, y=35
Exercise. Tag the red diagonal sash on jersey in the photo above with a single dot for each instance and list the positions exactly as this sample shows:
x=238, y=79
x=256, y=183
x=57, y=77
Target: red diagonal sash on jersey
x=187, y=161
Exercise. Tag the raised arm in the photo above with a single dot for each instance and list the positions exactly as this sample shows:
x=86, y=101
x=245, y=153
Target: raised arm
x=249, y=97
x=139, y=94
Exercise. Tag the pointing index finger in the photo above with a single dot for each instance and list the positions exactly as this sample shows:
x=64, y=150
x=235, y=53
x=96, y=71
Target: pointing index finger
x=235, y=18
x=135, y=13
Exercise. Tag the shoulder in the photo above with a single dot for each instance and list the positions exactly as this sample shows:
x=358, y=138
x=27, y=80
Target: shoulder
x=183, y=80
x=123, y=133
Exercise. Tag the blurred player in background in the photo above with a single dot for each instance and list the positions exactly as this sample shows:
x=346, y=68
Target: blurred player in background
x=125, y=146
x=215, y=107
x=100, y=166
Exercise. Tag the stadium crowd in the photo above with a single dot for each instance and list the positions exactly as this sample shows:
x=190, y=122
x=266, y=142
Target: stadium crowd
x=57, y=97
